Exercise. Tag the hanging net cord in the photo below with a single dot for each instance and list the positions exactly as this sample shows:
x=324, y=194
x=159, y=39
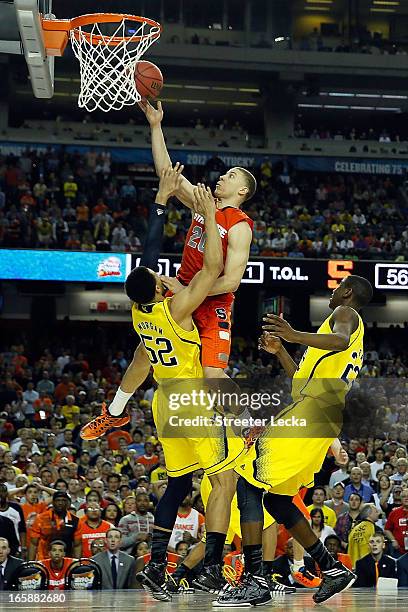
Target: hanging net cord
x=107, y=64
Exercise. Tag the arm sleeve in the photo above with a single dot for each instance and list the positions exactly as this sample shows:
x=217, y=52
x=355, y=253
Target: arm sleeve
x=154, y=236
x=129, y=537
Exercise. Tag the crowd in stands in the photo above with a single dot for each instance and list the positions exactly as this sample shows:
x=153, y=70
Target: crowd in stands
x=74, y=202
x=353, y=133
x=62, y=498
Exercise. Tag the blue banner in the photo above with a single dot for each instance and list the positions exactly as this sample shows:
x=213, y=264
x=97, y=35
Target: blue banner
x=70, y=266
x=128, y=155
x=351, y=165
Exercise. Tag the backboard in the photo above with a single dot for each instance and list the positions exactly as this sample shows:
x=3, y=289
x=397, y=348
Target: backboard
x=21, y=33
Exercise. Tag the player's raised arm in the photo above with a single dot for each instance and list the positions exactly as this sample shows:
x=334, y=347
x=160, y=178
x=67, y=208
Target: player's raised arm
x=184, y=303
x=272, y=344
x=161, y=155
x=239, y=243
x=344, y=323
x=170, y=179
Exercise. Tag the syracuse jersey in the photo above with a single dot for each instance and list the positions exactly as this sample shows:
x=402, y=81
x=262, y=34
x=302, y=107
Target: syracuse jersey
x=213, y=316
x=175, y=356
x=193, y=253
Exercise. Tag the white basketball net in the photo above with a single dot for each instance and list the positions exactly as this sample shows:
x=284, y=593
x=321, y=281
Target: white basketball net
x=108, y=72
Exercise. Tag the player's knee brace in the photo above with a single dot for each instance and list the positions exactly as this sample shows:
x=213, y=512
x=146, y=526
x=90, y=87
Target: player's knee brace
x=282, y=508
x=249, y=502
x=177, y=489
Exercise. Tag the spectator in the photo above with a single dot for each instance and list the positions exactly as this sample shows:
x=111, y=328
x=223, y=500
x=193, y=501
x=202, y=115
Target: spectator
x=29, y=396
x=113, y=484
x=348, y=520
x=401, y=465
x=57, y=565
x=340, y=475
x=45, y=385
x=337, y=502
x=32, y=507
x=396, y=527
x=384, y=492
x=55, y=523
x=376, y=564
x=117, y=567
x=159, y=472
x=333, y=545
x=188, y=526
x=8, y=533
x=137, y=443
x=8, y=566
x=98, y=546
x=92, y=526
x=148, y=459
x=69, y=410
x=318, y=499
x=317, y=522
x=356, y=486
x=362, y=532
x=112, y=513
x=378, y=463
x=138, y=525
x=74, y=493
x=13, y=511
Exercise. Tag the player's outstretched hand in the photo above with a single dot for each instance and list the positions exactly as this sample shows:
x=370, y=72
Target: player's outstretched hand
x=204, y=202
x=153, y=115
x=269, y=343
x=170, y=180
x=279, y=327
x=172, y=283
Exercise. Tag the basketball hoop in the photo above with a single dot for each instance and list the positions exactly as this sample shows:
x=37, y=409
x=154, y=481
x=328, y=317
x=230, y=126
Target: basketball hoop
x=107, y=46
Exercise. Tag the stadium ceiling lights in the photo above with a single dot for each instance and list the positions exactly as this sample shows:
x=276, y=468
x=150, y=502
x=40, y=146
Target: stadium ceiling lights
x=317, y=8
x=344, y=94
x=392, y=109
x=383, y=10
x=386, y=2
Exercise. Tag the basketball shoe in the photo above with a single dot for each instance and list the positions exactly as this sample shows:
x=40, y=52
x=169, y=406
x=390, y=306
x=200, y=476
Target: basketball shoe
x=335, y=580
x=306, y=578
x=102, y=423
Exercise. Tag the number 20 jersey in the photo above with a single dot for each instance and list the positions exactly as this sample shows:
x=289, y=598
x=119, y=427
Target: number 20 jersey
x=173, y=351
x=193, y=253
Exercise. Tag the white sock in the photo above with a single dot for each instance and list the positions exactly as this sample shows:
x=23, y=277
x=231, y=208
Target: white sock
x=297, y=565
x=119, y=402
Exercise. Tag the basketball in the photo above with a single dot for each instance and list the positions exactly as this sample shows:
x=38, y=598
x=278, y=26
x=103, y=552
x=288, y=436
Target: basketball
x=149, y=79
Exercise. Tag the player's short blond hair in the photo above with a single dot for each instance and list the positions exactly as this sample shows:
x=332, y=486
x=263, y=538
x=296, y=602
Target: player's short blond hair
x=250, y=182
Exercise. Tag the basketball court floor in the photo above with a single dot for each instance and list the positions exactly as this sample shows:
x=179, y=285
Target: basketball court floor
x=361, y=600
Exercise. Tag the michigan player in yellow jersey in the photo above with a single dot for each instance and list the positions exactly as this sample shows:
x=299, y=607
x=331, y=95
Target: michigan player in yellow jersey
x=170, y=343
x=285, y=458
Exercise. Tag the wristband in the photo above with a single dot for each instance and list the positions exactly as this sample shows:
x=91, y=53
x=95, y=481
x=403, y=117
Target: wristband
x=160, y=208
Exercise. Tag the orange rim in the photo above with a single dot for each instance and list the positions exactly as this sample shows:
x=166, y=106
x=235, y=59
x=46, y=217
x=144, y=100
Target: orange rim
x=73, y=25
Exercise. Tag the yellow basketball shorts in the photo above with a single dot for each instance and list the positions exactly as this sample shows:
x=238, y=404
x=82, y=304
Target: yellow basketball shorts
x=286, y=457
x=192, y=440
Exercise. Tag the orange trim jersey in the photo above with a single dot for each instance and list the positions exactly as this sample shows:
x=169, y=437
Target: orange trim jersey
x=89, y=534
x=57, y=577
x=193, y=253
x=49, y=526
